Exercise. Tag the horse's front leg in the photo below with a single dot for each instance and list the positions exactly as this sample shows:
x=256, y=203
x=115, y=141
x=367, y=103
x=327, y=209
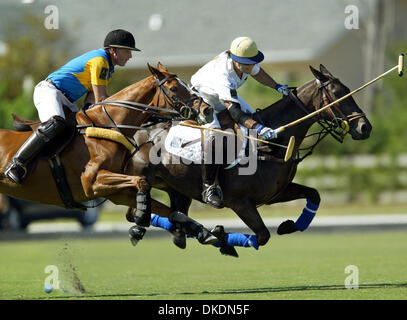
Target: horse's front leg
x=247, y=211
x=131, y=191
x=296, y=191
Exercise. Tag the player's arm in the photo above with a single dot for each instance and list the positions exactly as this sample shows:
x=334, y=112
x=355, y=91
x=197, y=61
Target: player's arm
x=238, y=115
x=99, y=92
x=99, y=68
x=246, y=120
x=265, y=79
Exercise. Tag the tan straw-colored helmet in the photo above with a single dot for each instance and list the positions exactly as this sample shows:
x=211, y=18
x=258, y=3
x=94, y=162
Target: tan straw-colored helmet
x=244, y=50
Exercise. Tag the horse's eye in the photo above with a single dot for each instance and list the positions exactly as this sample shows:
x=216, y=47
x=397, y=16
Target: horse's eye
x=174, y=89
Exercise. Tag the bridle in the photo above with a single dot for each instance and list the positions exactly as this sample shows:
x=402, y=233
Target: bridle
x=338, y=125
x=181, y=106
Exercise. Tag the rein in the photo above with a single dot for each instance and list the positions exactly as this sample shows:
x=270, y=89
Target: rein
x=186, y=111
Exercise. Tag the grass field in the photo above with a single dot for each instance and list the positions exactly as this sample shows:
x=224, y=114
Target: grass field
x=298, y=266
x=200, y=211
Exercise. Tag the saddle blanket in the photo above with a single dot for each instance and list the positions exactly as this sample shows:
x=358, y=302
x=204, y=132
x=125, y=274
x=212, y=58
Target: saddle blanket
x=185, y=142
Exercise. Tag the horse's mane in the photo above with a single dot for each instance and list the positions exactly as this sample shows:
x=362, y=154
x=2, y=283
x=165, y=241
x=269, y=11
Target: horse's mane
x=284, y=110
x=275, y=110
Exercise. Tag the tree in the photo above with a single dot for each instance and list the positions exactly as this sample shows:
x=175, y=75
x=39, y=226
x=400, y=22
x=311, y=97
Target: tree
x=32, y=53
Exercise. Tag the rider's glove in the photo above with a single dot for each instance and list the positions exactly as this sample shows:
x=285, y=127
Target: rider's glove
x=282, y=89
x=266, y=133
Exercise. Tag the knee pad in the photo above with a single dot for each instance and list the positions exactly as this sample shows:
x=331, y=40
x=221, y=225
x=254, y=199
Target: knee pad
x=51, y=128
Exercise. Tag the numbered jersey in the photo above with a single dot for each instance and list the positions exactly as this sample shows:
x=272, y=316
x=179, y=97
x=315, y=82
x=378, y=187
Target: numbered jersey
x=77, y=76
x=217, y=81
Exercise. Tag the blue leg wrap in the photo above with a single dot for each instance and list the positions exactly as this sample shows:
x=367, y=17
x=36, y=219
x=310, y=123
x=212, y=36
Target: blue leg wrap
x=161, y=222
x=232, y=239
x=304, y=220
x=240, y=240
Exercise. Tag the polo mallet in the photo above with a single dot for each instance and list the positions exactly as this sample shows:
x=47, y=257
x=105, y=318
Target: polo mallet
x=399, y=67
x=289, y=148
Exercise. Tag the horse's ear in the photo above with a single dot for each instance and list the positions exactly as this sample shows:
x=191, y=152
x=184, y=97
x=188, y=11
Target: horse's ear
x=154, y=71
x=325, y=71
x=318, y=74
x=161, y=67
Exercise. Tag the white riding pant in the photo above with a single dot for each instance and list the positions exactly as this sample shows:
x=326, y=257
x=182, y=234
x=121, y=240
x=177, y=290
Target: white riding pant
x=212, y=99
x=49, y=101
x=209, y=98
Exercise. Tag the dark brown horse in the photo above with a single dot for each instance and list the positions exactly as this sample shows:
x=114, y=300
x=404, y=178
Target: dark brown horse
x=96, y=167
x=272, y=181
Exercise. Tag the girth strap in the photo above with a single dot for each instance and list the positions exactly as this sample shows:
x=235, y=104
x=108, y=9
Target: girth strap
x=65, y=192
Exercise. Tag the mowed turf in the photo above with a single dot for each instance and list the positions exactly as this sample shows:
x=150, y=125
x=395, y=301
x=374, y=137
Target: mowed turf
x=298, y=266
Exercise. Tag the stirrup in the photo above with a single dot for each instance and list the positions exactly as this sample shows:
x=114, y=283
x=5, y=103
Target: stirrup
x=15, y=171
x=213, y=190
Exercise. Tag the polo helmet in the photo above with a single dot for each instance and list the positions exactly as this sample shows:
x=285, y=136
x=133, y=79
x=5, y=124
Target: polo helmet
x=244, y=50
x=120, y=39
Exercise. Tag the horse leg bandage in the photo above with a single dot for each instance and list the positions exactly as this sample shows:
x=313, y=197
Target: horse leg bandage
x=232, y=239
x=143, y=209
x=308, y=213
x=161, y=222
x=240, y=240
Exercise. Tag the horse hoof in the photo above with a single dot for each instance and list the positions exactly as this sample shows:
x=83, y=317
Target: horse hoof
x=136, y=233
x=206, y=237
x=225, y=249
x=179, y=239
x=228, y=251
x=286, y=227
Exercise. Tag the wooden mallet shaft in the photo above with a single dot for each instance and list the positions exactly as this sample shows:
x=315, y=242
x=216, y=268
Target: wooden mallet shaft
x=399, y=66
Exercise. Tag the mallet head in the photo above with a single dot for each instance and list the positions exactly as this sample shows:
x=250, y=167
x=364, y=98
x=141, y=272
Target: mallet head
x=401, y=64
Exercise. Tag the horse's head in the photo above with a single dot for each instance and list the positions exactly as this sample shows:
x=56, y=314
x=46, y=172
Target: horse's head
x=345, y=114
x=174, y=93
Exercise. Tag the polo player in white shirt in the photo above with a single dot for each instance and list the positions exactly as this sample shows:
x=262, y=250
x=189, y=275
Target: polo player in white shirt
x=217, y=82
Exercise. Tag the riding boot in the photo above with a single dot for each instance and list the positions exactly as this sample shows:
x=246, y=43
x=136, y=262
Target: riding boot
x=212, y=193
x=16, y=170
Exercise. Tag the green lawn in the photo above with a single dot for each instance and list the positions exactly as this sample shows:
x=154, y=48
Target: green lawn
x=299, y=266
x=200, y=211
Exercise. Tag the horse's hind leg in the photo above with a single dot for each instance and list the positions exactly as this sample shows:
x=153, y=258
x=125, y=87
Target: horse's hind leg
x=296, y=191
x=247, y=211
x=180, y=203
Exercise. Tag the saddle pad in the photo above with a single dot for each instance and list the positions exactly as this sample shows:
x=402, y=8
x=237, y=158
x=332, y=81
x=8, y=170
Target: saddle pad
x=185, y=142
x=108, y=134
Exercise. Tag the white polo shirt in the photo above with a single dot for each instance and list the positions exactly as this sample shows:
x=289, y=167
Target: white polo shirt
x=217, y=81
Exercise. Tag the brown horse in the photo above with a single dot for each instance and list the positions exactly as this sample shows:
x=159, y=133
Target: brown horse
x=96, y=167
x=272, y=181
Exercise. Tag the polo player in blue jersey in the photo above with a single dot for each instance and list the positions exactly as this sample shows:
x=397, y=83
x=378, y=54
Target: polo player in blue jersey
x=87, y=74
